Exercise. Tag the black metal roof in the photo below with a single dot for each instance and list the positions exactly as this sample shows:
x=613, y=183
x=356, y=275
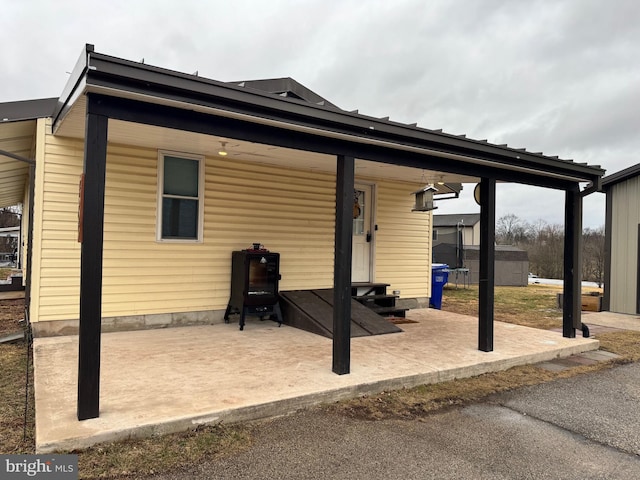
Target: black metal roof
x=27, y=109
x=452, y=219
x=311, y=126
x=621, y=176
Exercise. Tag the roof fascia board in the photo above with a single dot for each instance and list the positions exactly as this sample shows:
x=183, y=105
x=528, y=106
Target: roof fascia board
x=74, y=86
x=267, y=133
x=127, y=75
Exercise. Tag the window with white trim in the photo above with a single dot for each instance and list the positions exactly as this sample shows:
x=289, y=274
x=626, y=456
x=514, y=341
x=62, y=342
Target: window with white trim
x=180, y=197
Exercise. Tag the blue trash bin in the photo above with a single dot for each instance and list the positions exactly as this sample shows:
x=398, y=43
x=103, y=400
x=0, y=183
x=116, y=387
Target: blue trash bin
x=439, y=277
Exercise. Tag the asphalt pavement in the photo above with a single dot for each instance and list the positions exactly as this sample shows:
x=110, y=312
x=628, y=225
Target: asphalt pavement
x=586, y=427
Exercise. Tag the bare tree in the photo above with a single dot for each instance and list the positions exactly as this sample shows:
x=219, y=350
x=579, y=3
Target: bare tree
x=544, y=243
x=511, y=230
x=546, y=251
x=593, y=257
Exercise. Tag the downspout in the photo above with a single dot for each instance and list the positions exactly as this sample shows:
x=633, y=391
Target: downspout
x=27, y=288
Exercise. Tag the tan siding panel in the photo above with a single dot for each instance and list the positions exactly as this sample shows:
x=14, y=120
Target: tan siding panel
x=624, y=246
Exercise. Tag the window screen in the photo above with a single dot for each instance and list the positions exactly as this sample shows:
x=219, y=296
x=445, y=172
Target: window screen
x=180, y=198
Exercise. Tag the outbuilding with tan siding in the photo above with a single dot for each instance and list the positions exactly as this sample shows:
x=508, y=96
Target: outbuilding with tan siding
x=622, y=232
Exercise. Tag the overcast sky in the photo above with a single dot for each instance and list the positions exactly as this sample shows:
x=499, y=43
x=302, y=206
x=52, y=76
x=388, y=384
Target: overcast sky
x=561, y=77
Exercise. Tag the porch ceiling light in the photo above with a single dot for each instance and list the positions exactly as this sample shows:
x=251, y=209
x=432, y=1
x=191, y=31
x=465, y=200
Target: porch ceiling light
x=441, y=180
x=223, y=151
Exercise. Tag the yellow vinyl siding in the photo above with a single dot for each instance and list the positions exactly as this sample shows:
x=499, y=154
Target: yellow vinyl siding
x=43, y=126
x=59, y=269
x=624, y=246
x=289, y=211
x=403, y=246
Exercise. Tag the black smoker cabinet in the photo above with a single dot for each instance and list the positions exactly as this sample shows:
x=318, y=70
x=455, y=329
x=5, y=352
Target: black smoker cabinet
x=255, y=274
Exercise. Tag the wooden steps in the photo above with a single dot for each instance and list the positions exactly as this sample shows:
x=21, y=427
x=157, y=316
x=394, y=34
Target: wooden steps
x=375, y=297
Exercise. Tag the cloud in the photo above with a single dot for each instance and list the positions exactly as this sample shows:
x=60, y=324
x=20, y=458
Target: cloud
x=557, y=76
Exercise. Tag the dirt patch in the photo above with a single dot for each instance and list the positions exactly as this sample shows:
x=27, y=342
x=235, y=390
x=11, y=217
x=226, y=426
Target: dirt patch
x=138, y=457
x=13, y=361
x=10, y=312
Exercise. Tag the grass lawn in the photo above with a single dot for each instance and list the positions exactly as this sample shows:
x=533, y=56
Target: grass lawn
x=533, y=306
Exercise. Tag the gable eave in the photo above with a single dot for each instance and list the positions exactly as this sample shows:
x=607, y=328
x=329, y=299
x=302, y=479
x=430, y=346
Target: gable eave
x=621, y=176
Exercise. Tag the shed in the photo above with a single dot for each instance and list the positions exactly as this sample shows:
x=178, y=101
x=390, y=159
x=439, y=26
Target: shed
x=622, y=249
x=512, y=265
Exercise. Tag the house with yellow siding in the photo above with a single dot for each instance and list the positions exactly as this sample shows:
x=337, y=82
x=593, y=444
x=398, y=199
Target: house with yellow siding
x=138, y=183
x=150, y=281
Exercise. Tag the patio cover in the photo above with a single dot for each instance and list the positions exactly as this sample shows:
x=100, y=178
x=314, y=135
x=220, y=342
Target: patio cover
x=103, y=89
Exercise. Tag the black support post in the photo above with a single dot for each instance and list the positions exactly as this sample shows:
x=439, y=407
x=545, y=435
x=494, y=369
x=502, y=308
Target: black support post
x=95, y=158
x=487, y=263
x=342, y=265
x=571, y=307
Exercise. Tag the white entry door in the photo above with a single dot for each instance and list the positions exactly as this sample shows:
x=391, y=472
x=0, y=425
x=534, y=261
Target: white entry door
x=362, y=234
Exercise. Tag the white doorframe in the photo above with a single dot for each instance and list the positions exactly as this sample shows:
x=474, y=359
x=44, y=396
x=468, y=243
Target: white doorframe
x=363, y=253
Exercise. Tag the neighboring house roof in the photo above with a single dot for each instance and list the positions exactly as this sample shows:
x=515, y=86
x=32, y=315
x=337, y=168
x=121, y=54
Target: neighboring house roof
x=621, y=176
x=285, y=87
x=453, y=219
x=17, y=139
x=27, y=109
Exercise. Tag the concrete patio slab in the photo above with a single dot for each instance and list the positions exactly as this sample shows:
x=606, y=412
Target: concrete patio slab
x=614, y=320
x=160, y=381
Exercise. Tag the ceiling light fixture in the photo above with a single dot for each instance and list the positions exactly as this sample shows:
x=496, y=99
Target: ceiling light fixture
x=223, y=151
x=441, y=180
